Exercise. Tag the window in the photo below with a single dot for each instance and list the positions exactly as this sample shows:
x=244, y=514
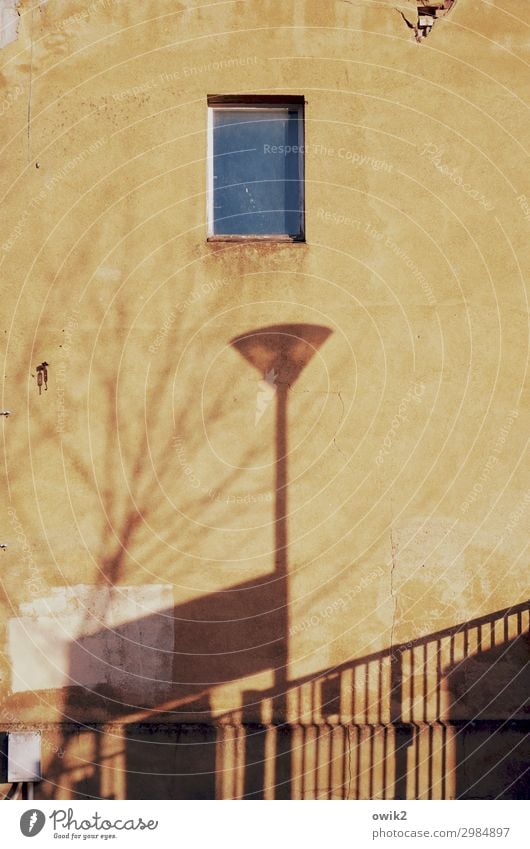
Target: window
x=256, y=168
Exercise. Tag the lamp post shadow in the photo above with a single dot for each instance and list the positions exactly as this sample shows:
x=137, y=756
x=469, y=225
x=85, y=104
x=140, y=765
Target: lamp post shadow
x=280, y=353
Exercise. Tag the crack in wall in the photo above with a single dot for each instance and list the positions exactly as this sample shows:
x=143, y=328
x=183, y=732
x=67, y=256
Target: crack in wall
x=393, y=549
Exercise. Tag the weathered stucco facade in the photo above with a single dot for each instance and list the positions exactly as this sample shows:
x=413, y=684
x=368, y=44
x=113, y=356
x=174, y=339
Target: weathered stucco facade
x=157, y=629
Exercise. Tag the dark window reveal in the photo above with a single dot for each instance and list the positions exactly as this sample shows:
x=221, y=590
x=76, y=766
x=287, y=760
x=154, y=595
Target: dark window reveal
x=256, y=157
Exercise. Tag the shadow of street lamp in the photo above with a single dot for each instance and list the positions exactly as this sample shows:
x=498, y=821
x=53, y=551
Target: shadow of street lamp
x=282, y=350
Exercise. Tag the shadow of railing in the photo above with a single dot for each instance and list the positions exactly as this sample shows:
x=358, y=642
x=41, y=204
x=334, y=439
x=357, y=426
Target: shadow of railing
x=441, y=716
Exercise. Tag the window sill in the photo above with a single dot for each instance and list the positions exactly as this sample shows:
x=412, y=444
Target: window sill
x=278, y=239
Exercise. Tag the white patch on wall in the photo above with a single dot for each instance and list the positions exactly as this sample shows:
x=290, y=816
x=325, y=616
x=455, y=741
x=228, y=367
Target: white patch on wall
x=106, y=272
x=121, y=637
x=8, y=22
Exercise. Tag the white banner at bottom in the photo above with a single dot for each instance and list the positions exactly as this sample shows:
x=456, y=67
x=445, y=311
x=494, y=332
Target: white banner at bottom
x=262, y=825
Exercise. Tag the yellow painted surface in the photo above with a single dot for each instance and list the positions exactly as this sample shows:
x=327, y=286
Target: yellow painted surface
x=139, y=489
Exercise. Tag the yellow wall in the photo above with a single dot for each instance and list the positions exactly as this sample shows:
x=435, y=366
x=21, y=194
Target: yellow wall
x=139, y=492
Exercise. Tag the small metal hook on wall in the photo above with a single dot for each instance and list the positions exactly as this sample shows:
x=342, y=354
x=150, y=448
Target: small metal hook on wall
x=42, y=376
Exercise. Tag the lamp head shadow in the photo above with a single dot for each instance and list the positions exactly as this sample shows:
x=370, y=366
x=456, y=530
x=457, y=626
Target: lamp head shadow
x=285, y=349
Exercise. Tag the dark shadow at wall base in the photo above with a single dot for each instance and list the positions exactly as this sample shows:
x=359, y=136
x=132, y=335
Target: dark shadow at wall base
x=492, y=761
x=404, y=740
x=175, y=762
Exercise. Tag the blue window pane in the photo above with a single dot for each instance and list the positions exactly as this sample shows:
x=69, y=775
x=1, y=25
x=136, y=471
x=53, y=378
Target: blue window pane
x=256, y=172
